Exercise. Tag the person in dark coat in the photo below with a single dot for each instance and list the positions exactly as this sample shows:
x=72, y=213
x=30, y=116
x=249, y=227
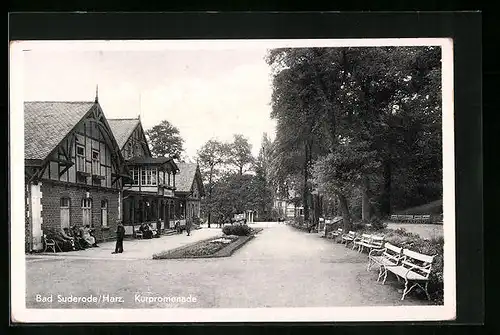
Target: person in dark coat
x=189, y=224
x=120, y=234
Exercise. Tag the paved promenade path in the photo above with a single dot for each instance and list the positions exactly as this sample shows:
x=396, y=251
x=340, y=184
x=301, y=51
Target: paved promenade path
x=281, y=267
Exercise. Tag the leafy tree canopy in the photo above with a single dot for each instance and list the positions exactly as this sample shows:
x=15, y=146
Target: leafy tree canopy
x=165, y=140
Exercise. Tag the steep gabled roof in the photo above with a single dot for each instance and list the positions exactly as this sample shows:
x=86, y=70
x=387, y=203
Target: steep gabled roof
x=46, y=124
x=122, y=129
x=186, y=176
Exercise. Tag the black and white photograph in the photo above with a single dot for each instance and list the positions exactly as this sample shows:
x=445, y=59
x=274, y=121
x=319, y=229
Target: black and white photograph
x=233, y=180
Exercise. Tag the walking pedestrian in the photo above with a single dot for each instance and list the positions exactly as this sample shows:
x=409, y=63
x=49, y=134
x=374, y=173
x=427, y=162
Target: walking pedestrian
x=120, y=234
x=189, y=223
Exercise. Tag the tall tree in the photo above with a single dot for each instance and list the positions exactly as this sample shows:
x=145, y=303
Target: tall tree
x=240, y=153
x=165, y=140
x=299, y=139
x=381, y=102
x=211, y=157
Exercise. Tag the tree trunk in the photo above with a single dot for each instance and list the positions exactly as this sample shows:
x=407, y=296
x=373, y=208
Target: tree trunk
x=209, y=218
x=365, y=204
x=344, y=209
x=317, y=209
x=385, y=207
x=305, y=196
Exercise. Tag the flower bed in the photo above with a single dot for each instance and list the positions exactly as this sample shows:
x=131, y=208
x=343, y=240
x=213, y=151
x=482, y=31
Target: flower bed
x=220, y=246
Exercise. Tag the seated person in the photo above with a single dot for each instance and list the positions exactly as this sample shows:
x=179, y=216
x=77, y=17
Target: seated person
x=62, y=243
x=66, y=235
x=158, y=228
x=79, y=241
x=147, y=233
x=178, y=226
x=153, y=230
x=89, y=239
x=72, y=233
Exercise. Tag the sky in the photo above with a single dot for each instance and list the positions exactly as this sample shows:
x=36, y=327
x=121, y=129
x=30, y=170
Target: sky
x=204, y=93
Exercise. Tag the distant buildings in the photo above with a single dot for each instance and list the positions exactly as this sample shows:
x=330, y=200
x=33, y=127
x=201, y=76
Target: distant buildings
x=285, y=208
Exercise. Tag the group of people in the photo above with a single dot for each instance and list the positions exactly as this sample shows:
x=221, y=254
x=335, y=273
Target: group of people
x=147, y=231
x=187, y=227
x=73, y=238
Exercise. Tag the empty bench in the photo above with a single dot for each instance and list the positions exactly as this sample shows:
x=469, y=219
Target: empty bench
x=335, y=233
x=349, y=237
x=422, y=218
x=413, y=267
x=390, y=255
x=369, y=242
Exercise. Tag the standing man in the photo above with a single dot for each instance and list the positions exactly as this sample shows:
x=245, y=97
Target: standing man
x=120, y=234
x=188, y=226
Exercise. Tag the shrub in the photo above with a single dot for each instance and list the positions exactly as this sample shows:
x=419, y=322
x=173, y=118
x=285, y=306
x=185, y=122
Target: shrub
x=299, y=220
x=377, y=223
x=238, y=230
x=357, y=226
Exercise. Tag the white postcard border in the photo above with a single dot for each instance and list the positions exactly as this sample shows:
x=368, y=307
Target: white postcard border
x=19, y=312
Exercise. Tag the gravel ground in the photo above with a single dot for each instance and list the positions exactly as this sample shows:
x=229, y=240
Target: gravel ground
x=281, y=267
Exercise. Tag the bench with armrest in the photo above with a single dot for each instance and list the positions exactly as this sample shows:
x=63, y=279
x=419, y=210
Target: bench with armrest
x=422, y=218
x=363, y=239
x=335, y=233
x=425, y=218
x=138, y=232
x=406, y=218
x=394, y=218
x=414, y=268
x=49, y=243
x=370, y=242
x=389, y=255
x=349, y=237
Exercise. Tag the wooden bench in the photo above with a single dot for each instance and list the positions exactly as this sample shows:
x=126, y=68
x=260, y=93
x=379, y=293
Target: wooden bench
x=414, y=268
x=425, y=218
x=406, y=218
x=49, y=243
x=138, y=232
x=349, y=237
x=335, y=233
x=389, y=255
x=370, y=242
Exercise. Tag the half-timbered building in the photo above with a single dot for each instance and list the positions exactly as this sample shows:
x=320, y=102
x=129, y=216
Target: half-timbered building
x=148, y=197
x=189, y=190
x=73, y=170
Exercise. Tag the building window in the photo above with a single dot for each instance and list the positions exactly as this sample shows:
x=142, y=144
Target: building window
x=148, y=177
x=104, y=213
x=80, y=158
x=168, y=181
x=65, y=205
x=135, y=176
x=96, y=166
x=87, y=212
